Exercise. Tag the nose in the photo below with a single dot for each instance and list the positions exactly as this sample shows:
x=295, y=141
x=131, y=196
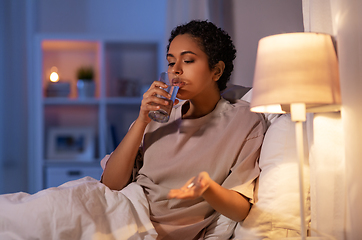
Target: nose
x=177, y=68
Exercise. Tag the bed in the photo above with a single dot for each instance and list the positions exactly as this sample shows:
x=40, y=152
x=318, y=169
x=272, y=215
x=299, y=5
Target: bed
x=99, y=213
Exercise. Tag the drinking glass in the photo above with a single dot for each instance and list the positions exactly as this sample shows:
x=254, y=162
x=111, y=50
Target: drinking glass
x=162, y=115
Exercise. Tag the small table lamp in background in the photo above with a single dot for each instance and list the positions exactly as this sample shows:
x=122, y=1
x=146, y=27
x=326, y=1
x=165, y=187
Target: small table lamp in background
x=55, y=88
x=296, y=73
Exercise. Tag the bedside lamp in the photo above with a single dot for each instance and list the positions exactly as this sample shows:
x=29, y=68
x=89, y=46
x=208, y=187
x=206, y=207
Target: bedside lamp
x=296, y=73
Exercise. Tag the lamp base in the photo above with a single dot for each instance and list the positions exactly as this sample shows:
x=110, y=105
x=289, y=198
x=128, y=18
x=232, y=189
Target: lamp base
x=58, y=89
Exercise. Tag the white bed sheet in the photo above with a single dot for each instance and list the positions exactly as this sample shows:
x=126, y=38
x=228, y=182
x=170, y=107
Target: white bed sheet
x=80, y=209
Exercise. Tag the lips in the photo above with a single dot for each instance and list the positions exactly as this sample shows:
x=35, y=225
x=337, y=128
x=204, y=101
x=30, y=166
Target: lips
x=178, y=82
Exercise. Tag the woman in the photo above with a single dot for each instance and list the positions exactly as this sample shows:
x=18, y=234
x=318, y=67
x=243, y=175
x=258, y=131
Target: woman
x=203, y=162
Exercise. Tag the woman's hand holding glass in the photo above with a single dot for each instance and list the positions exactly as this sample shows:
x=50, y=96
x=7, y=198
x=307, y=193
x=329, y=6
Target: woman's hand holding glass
x=159, y=99
x=151, y=102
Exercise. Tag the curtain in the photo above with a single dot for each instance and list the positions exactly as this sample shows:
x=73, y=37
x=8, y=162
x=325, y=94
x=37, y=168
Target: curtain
x=349, y=41
x=182, y=11
x=326, y=157
x=337, y=180
x=327, y=169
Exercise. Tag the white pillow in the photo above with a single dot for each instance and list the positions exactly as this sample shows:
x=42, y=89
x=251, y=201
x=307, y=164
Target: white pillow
x=235, y=92
x=276, y=212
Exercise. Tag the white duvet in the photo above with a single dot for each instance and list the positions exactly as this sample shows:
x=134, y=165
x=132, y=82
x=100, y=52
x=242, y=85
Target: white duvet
x=80, y=209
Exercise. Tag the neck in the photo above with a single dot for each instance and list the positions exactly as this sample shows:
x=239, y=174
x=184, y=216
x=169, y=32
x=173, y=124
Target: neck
x=200, y=106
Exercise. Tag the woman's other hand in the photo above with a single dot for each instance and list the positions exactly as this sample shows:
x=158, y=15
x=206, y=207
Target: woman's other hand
x=193, y=188
x=227, y=202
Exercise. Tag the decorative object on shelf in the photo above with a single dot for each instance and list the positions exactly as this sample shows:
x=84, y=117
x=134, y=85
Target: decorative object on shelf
x=85, y=82
x=296, y=73
x=71, y=143
x=56, y=88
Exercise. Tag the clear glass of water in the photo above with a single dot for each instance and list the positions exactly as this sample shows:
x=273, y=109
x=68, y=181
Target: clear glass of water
x=163, y=114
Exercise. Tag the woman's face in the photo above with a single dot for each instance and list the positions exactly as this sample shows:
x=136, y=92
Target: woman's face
x=190, y=63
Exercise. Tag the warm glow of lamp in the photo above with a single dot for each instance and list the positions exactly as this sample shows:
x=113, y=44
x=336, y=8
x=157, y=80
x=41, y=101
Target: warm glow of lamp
x=54, y=77
x=296, y=73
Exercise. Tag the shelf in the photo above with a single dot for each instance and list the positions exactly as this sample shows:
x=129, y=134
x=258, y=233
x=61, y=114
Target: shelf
x=92, y=101
x=124, y=100
x=71, y=163
x=123, y=70
x=70, y=101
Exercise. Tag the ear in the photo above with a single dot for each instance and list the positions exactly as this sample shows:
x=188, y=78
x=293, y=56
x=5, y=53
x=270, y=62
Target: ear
x=218, y=70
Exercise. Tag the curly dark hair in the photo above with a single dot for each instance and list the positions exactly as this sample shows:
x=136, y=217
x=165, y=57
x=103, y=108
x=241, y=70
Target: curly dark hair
x=214, y=41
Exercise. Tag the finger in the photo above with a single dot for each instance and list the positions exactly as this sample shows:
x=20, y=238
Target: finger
x=180, y=194
x=188, y=191
x=151, y=102
x=190, y=183
x=157, y=92
x=158, y=84
x=149, y=107
x=174, y=193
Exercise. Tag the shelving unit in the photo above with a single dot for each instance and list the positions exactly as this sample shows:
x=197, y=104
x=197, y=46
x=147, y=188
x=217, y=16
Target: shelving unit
x=123, y=70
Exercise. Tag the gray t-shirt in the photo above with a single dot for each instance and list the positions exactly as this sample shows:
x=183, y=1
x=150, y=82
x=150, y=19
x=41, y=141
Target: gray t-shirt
x=225, y=143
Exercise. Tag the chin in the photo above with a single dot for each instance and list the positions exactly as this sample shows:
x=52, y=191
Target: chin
x=182, y=98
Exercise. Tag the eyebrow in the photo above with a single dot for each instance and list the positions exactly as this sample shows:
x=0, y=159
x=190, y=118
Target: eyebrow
x=183, y=53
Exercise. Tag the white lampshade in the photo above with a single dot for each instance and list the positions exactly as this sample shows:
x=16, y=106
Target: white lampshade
x=295, y=68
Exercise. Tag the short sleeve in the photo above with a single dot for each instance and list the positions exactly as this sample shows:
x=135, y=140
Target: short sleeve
x=246, y=170
x=104, y=161
x=137, y=164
